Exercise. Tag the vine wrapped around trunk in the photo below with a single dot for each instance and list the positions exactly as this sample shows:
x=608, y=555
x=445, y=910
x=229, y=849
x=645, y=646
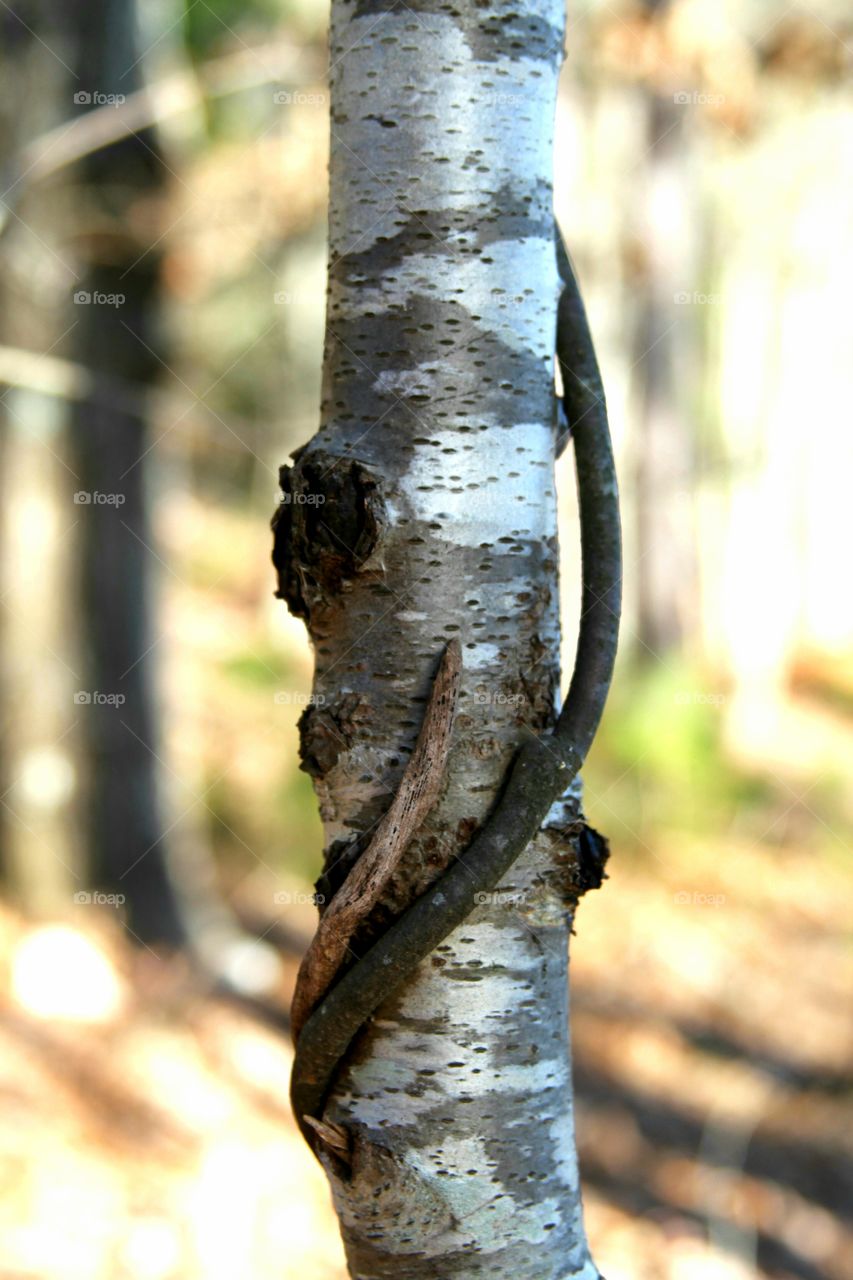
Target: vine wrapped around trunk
x=423, y=513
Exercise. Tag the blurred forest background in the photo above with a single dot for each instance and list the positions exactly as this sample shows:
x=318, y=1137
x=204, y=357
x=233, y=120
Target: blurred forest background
x=162, y=263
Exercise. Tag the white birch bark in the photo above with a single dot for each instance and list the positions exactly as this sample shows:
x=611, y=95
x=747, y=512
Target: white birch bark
x=424, y=509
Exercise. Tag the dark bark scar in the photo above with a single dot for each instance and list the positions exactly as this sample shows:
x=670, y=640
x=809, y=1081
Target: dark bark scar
x=328, y=522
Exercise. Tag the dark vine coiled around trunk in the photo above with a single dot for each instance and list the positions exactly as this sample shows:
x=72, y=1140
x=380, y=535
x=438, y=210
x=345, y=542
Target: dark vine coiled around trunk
x=544, y=766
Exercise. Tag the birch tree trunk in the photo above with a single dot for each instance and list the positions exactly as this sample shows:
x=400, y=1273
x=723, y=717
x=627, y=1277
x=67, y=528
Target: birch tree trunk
x=424, y=509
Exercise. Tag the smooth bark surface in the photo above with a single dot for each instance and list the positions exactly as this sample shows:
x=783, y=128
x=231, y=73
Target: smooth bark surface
x=425, y=509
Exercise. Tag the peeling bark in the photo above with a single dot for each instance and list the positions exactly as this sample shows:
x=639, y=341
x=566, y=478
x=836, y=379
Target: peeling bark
x=424, y=510
x=363, y=886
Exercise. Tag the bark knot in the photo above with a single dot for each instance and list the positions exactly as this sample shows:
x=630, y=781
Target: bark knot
x=581, y=865
x=327, y=524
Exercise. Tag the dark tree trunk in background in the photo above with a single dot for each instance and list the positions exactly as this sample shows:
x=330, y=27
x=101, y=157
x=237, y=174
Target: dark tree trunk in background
x=116, y=336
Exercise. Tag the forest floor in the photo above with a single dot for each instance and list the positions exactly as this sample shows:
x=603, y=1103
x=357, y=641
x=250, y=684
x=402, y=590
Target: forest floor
x=146, y=1133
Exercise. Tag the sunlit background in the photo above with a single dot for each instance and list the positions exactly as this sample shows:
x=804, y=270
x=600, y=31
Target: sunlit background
x=162, y=261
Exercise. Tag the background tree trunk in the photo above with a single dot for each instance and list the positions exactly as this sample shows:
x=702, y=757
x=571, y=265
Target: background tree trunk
x=40, y=851
x=116, y=338
x=425, y=509
x=663, y=222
